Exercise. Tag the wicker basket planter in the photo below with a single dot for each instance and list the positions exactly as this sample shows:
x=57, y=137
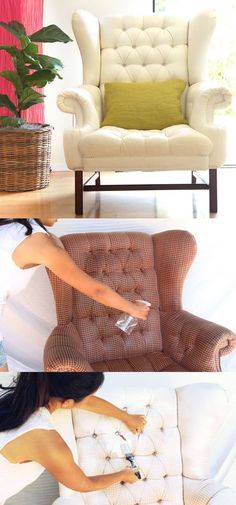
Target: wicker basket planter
x=25, y=158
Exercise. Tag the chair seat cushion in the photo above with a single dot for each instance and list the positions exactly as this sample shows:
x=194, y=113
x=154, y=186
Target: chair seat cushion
x=178, y=140
x=156, y=361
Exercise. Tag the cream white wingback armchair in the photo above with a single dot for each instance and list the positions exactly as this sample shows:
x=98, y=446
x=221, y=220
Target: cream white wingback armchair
x=173, y=452
x=138, y=49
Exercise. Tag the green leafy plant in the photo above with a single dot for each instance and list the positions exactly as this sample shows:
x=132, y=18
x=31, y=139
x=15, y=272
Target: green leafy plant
x=31, y=69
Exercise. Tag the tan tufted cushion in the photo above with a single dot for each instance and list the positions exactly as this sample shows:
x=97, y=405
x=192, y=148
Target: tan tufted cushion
x=157, y=362
x=125, y=262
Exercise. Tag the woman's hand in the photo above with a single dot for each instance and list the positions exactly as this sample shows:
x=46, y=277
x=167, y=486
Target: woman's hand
x=135, y=423
x=139, y=310
x=129, y=475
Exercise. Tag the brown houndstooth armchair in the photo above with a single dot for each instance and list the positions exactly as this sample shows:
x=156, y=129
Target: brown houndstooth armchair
x=137, y=266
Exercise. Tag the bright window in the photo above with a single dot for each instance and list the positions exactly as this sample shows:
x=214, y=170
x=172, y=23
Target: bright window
x=222, y=57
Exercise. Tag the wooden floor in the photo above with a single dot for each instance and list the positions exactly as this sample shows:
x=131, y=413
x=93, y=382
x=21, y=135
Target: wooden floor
x=57, y=200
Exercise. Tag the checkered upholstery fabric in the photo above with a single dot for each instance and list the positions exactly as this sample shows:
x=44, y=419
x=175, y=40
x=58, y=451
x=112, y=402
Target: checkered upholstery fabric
x=63, y=353
x=174, y=253
x=195, y=343
x=123, y=261
x=157, y=361
x=137, y=266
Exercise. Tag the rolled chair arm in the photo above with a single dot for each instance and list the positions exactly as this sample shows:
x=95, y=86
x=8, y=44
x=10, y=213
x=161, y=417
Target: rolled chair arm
x=202, y=101
x=85, y=103
x=207, y=492
x=195, y=343
x=62, y=352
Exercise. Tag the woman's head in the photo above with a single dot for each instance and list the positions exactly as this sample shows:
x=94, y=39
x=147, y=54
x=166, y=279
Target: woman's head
x=28, y=223
x=34, y=390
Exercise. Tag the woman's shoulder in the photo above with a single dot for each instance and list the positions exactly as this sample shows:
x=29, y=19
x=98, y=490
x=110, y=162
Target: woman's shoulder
x=41, y=419
x=12, y=234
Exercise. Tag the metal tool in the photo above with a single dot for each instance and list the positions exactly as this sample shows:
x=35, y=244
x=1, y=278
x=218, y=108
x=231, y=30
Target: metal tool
x=129, y=456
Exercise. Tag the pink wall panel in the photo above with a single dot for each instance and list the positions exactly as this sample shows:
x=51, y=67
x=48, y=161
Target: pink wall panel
x=30, y=13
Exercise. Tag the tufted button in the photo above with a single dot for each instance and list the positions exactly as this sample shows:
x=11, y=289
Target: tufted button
x=125, y=408
x=145, y=479
x=148, y=406
x=154, y=453
x=94, y=435
x=108, y=458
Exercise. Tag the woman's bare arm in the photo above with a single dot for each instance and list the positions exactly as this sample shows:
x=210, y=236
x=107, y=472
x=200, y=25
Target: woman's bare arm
x=135, y=423
x=41, y=249
x=49, y=449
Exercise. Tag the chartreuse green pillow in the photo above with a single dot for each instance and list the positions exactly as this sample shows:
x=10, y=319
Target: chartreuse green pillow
x=144, y=105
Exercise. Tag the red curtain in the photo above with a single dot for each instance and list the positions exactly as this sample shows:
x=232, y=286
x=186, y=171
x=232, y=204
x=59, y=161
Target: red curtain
x=30, y=13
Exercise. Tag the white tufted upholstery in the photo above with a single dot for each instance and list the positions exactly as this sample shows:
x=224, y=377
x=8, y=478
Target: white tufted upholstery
x=173, y=453
x=142, y=49
x=147, y=149
x=139, y=49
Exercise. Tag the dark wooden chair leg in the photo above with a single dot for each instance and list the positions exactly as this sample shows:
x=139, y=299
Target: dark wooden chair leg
x=193, y=178
x=79, y=192
x=213, y=190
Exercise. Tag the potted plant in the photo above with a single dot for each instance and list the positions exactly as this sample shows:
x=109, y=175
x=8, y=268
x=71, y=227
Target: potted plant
x=25, y=149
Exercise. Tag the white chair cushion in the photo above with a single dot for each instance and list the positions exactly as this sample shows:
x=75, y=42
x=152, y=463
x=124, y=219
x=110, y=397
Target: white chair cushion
x=138, y=145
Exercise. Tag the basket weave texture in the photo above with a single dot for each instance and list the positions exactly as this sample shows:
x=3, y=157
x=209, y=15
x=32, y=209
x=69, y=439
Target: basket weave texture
x=25, y=158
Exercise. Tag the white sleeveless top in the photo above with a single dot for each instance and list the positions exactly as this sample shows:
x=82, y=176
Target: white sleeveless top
x=15, y=476
x=12, y=278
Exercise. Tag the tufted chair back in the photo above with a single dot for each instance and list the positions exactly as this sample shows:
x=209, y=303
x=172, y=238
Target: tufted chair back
x=177, y=442
x=143, y=48
x=125, y=262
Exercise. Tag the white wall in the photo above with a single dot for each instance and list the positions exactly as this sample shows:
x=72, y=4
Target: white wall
x=59, y=12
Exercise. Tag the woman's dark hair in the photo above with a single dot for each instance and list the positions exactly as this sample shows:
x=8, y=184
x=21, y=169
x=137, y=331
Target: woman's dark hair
x=24, y=222
x=33, y=390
